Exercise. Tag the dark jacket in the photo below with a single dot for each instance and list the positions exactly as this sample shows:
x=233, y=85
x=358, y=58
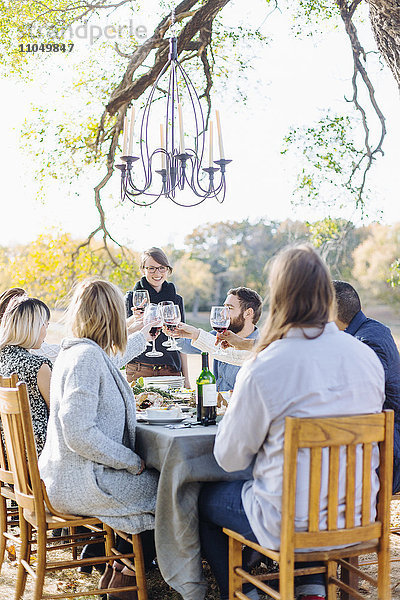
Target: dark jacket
x=378, y=337
x=167, y=292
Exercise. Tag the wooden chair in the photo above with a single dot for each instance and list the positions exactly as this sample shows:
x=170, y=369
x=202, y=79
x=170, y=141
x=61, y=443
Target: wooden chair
x=38, y=515
x=8, y=513
x=365, y=538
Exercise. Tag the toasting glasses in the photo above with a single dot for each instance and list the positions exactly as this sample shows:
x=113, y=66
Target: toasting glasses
x=219, y=320
x=140, y=300
x=172, y=318
x=169, y=341
x=153, y=312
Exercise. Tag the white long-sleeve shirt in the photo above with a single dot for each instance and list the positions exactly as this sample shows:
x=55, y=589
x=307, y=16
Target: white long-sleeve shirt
x=331, y=375
x=206, y=343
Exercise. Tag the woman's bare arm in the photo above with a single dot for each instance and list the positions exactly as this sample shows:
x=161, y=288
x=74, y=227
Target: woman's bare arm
x=43, y=381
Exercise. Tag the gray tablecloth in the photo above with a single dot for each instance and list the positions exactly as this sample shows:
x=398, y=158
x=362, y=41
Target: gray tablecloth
x=184, y=458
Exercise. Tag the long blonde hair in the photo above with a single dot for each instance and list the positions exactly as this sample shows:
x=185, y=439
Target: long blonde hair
x=97, y=312
x=22, y=322
x=300, y=293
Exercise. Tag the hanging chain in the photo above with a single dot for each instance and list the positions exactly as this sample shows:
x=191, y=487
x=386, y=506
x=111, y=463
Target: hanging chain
x=173, y=27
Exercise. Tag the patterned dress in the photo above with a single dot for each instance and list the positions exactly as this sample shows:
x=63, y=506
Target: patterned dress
x=14, y=359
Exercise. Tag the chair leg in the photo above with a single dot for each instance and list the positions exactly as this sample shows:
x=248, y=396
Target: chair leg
x=109, y=540
x=286, y=577
x=24, y=553
x=331, y=571
x=72, y=531
x=139, y=567
x=235, y=560
x=41, y=542
x=3, y=528
x=384, y=591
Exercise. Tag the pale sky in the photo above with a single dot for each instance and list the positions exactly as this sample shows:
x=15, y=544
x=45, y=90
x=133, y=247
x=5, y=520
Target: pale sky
x=291, y=82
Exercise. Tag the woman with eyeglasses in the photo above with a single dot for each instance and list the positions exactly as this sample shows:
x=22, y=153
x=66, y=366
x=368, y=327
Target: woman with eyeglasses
x=155, y=267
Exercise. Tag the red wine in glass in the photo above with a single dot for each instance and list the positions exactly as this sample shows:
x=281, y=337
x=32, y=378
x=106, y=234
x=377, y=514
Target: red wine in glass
x=154, y=331
x=220, y=329
x=170, y=326
x=219, y=321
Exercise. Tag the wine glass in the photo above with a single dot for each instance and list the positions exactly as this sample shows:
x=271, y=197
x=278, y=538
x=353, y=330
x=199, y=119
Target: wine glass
x=172, y=318
x=168, y=343
x=140, y=300
x=219, y=320
x=153, y=312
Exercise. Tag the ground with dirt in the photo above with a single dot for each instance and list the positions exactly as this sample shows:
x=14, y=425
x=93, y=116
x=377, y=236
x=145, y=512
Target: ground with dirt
x=70, y=580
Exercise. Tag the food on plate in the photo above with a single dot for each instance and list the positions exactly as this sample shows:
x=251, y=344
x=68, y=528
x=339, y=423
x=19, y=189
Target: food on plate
x=147, y=399
x=157, y=397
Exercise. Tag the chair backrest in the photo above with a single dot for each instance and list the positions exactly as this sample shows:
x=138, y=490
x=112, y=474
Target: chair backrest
x=21, y=451
x=6, y=475
x=350, y=443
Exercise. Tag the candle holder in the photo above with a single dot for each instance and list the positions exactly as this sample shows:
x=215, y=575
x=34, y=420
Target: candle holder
x=222, y=162
x=179, y=170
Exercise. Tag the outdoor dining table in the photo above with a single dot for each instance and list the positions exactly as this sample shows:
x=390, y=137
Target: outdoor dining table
x=184, y=457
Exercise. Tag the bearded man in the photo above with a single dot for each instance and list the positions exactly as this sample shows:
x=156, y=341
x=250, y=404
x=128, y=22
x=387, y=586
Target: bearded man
x=245, y=306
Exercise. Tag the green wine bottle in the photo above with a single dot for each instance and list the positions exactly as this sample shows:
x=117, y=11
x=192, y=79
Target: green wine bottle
x=206, y=394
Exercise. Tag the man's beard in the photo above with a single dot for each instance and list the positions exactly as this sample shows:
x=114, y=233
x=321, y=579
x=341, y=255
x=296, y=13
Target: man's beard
x=237, y=324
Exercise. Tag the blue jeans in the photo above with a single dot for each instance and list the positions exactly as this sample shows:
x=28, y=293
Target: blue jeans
x=220, y=505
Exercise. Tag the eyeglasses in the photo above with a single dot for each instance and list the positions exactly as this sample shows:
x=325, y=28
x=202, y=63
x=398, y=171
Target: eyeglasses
x=154, y=269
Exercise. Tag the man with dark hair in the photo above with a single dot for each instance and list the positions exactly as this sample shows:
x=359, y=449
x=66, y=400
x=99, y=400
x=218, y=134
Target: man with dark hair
x=377, y=336
x=245, y=306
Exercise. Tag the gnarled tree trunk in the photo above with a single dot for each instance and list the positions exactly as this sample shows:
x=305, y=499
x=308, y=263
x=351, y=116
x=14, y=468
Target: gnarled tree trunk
x=385, y=20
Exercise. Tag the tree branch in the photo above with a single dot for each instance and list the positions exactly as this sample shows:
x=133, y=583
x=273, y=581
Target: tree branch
x=347, y=12
x=128, y=89
x=200, y=23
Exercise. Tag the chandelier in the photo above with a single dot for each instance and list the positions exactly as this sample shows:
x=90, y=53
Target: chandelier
x=174, y=164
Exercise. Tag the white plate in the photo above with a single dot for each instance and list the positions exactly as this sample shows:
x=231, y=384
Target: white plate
x=167, y=381
x=154, y=421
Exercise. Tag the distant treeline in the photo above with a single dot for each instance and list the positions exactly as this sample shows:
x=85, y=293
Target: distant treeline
x=214, y=258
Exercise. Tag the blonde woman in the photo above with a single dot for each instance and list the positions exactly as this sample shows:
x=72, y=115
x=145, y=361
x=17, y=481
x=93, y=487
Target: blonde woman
x=48, y=350
x=303, y=367
x=23, y=328
x=89, y=463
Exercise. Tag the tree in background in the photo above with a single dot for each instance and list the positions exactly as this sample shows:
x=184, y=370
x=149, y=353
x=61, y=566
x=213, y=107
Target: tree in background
x=215, y=257
x=336, y=240
x=237, y=251
x=374, y=262
x=50, y=266
x=195, y=281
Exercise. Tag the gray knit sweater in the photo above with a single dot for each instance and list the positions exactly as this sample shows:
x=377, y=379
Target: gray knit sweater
x=88, y=463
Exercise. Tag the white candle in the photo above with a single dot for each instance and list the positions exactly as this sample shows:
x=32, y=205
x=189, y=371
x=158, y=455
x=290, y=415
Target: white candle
x=210, y=148
x=125, y=141
x=221, y=144
x=162, y=146
x=181, y=135
x=131, y=131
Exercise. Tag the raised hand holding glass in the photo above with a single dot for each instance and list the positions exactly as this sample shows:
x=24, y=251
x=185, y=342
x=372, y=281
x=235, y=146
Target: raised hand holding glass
x=140, y=300
x=172, y=318
x=219, y=320
x=168, y=343
x=153, y=313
